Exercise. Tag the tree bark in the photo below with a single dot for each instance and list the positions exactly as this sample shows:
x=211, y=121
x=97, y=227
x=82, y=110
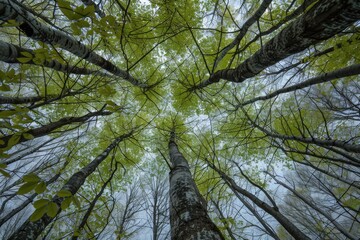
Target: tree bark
x=259, y=12
x=326, y=77
x=11, y=10
x=31, y=230
x=273, y=211
x=10, y=53
x=92, y=204
x=315, y=207
x=47, y=129
x=322, y=21
x=188, y=215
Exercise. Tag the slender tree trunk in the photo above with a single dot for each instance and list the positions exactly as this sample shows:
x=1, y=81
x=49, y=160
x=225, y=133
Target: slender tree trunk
x=273, y=211
x=92, y=204
x=315, y=207
x=264, y=5
x=31, y=230
x=46, y=129
x=29, y=199
x=20, y=100
x=355, y=148
x=188, y=214
x=322, y=21
x=326, y=77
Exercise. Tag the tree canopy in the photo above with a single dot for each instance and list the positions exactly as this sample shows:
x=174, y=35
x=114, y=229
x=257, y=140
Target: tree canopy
x=155, y=119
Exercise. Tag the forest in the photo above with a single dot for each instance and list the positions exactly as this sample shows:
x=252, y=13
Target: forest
x=180, y=119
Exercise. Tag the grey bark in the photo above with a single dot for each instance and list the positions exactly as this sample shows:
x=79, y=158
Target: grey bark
x=310, y=140
x=93, y=202
x=20, y=100
x=315, y=207
x=46, y=129
x=340, y=73
x=31, y=230
x=188, y=214
x=11, y=10
x=273, y=211
x=322, y=21
x=10, y=53
x=243, y=31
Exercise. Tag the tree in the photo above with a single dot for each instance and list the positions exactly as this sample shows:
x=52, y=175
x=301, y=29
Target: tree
x=257, y=104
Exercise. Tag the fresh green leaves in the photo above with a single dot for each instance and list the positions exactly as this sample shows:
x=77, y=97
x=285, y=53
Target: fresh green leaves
x=26, y=57
x=68, y=199
x=75, y=13
x=32, y=182
x=2, y=170
x=44, y=206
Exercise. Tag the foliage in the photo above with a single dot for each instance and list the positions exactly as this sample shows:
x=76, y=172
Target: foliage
x=171, y=47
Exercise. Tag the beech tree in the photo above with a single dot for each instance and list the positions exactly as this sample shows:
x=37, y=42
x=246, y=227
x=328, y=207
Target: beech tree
x=179, y=119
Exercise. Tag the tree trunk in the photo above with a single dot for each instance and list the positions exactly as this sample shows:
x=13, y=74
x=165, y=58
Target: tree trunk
x=320, y=22
x=273, y=211
x=10, y=53
x=188, y=215
x=31, y=230
x=12, y=10
x=326, y=77
x=47, y=129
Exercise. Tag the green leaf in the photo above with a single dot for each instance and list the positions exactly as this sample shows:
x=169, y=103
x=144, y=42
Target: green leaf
x=64, y=193
x=3, y=165
x=66, y=203
x=111, y=103
x=311, y=6
x=76, y=201
x=31, y=177
x=28, y=136
x=15, y=138
x=353, y=203
x=53, y=209
x=11, y=23
x=4, y=155
x=77, y=13
x=7, y=113
x=66, y=9
x=4, y=173
x=27, y=187
x=5, y=88
x=40, y=203
x=26, y=54
x=83, y=24
x=40, y=188
x=24, y=60
x=38, y=213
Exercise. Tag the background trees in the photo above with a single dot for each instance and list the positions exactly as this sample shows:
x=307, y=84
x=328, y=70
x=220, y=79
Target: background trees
x=263, y=96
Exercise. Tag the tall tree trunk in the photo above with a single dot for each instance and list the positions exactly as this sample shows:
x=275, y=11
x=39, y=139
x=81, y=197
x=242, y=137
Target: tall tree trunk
x=31, y=230
x=12, y=10
x=320, y=22
x=11, y=53
x=92, y=204
x=188, y=215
